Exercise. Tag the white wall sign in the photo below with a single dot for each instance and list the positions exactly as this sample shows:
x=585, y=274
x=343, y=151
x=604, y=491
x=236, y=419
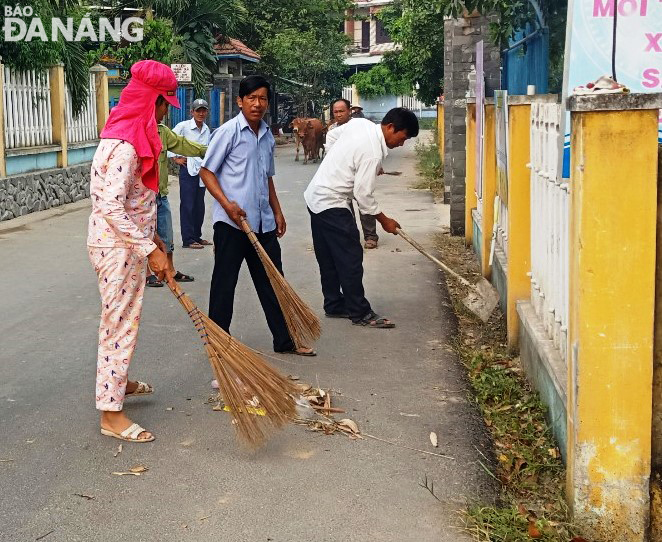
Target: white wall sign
x=182, y=72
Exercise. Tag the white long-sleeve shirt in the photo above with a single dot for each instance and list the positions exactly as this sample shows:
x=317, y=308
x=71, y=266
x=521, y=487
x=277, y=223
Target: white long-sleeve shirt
x=354, y=154
x=189, y=129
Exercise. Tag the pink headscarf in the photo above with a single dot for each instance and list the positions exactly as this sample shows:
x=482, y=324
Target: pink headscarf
x=133, y=120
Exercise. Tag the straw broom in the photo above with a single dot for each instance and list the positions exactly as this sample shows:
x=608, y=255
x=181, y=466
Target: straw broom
x=302, y=322
x=242, y=375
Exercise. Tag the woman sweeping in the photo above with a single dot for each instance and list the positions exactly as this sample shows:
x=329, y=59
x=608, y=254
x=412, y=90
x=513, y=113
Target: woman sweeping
x=121, y=235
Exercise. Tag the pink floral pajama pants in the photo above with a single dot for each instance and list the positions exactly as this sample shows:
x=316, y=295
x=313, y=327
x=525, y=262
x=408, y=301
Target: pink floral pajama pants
x=121, y=274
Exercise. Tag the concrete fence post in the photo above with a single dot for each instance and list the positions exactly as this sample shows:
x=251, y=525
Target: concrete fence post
x=470, y=183
x=613, y=208
x=519, y=211
x=58, y=112
x=3, y=157
x=101, y=88
x=489, y=186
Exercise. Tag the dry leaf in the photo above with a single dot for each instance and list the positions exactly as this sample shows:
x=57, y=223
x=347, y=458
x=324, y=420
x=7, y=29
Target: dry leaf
x=433, y=439
x=88, y=497
x=138, y=469
x=349, y=425
x=522, y=510
x=293, y=377
x=126, y=473
x=119, y=451
x=554, y=452
x=533, y=530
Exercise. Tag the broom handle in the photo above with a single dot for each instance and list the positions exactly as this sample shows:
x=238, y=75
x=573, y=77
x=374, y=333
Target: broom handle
x=435, y=260
x=248, y=231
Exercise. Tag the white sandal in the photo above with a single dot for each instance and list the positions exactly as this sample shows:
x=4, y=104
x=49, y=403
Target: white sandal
x=130, y=434
x=143, y=389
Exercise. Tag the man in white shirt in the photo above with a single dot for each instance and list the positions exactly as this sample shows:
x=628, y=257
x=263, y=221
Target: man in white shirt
x=354, y=154
x=191, y=188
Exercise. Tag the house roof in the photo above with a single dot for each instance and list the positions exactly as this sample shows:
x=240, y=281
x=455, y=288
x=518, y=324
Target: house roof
x=234, y=48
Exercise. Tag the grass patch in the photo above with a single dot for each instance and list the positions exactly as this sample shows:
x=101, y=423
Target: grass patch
x=430, y=167
x=526, y=463
x=427, y=123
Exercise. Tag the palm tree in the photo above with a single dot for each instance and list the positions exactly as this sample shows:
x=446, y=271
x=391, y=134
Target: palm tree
x=38, y=55
x=196, y=23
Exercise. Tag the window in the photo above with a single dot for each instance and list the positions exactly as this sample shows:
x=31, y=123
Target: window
x=382, y=35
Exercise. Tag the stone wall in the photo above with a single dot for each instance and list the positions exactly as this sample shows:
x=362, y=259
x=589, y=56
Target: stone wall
x=460, y=38
x=30, y=192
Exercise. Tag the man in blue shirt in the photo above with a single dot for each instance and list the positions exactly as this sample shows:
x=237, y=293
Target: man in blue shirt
x=238, y=171
x=191, y=189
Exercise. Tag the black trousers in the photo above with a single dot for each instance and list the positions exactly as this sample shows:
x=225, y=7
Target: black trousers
x=340, y=258
x=368, y=225
x=232, y=247
x=191, y=206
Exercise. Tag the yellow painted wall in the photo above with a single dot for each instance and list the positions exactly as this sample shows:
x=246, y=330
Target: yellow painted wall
x=612, y=281
x=519, y=215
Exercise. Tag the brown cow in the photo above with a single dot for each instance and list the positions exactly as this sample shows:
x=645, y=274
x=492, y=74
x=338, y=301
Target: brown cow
x=296, y=126
x=312, y=139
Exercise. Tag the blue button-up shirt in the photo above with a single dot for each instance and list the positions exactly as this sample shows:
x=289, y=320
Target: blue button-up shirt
x=243, y=164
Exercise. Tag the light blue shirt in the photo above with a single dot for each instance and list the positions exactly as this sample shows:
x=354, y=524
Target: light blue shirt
x=243, y=164
x=189, y=129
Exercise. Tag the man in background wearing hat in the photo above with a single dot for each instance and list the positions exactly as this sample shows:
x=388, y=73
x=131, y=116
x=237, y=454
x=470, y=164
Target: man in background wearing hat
x=191, y=189
x=357, y=112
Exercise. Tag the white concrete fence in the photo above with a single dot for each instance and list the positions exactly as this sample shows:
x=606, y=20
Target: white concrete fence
x=27, y=109
x=84, y=126
x=502, y=228
x=549, y=225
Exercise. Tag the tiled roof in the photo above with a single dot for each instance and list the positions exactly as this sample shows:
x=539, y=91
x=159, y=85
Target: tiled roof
x=235, y=47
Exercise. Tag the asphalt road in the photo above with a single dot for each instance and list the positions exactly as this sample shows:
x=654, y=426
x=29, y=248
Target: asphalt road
x=397, y=384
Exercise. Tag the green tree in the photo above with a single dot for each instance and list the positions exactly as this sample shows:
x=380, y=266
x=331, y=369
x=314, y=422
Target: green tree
x=418, y=27
x=195, y=24
x=305, y=65
x=266, y=19
x=157, y=44
x=299, y=40
x=380, y=80
x=39, y=55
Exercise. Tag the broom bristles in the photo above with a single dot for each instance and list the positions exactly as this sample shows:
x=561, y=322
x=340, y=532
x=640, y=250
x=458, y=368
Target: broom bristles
x=243, y=375
x=301, y=321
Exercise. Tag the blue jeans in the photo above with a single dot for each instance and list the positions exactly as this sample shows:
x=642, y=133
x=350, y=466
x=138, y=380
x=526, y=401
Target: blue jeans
x=191, y=206
x=164, y=222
